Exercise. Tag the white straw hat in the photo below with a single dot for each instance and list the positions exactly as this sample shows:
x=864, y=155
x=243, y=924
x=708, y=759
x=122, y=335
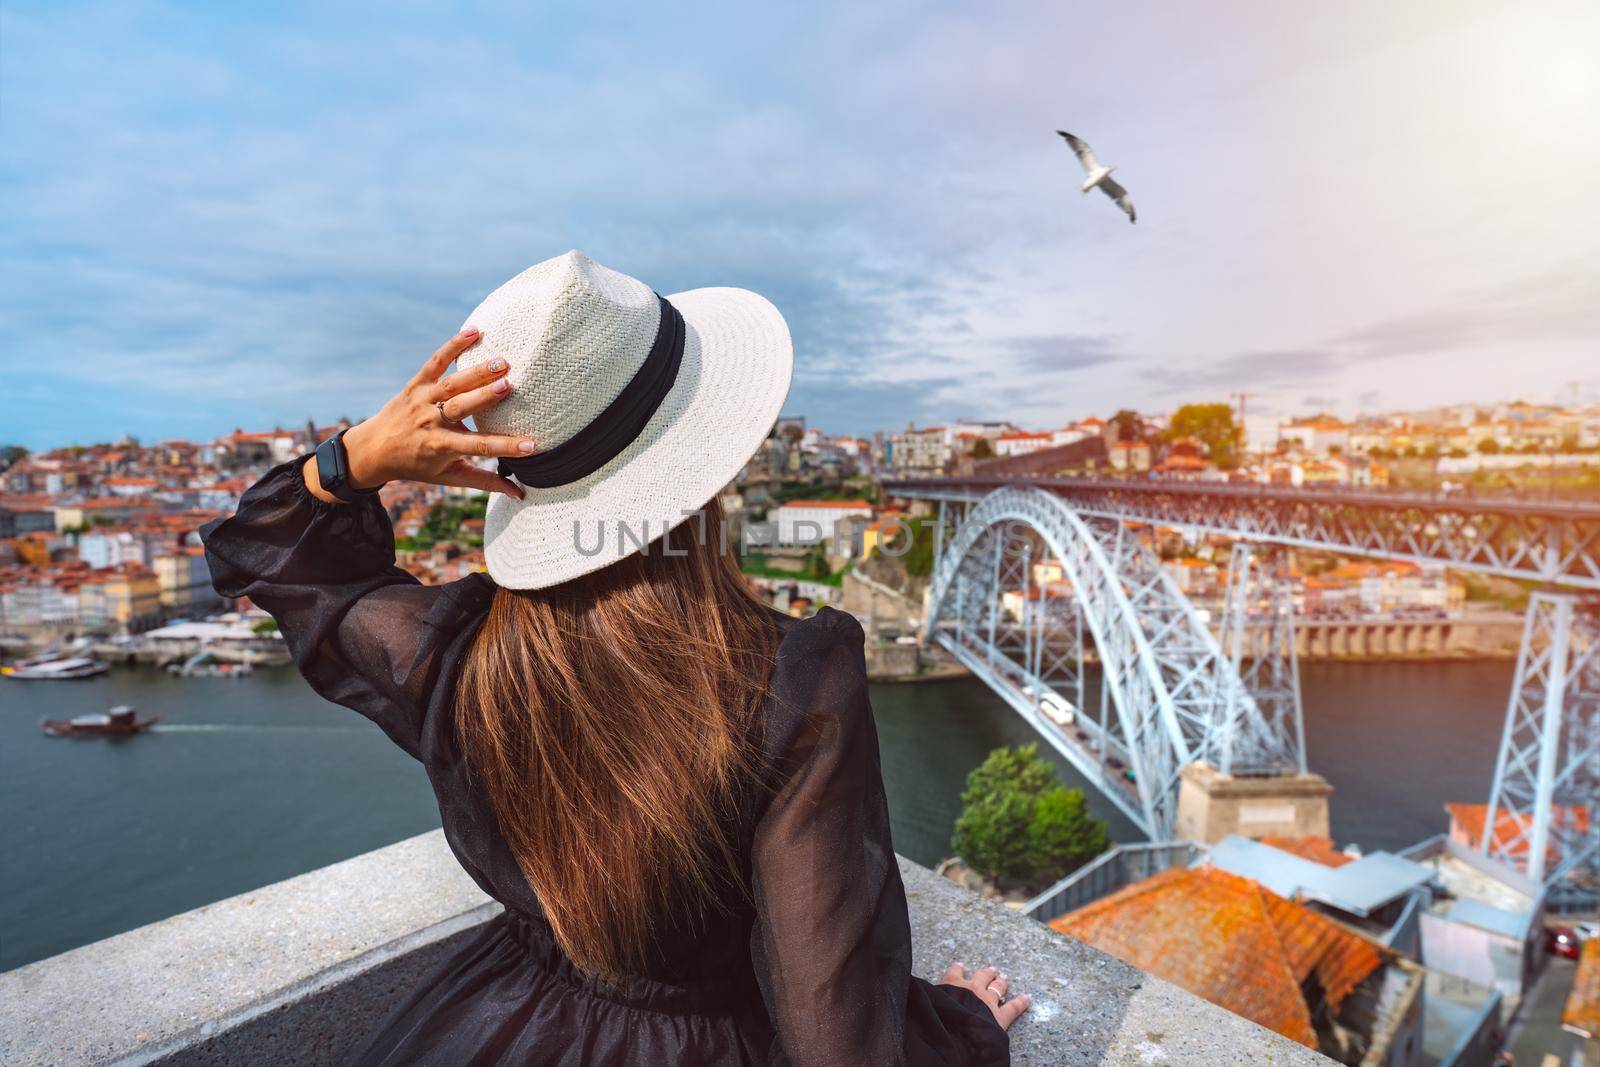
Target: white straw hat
x=577, y=337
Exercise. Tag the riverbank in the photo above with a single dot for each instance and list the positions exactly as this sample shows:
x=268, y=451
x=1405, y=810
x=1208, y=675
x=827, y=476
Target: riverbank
x=903, y=665
x=141, y=650
x=938, y=672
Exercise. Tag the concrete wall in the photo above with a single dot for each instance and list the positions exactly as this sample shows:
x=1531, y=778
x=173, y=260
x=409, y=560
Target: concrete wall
x=1317, y=639
x=891, y=660
x=300, y=971
x=1480, y=956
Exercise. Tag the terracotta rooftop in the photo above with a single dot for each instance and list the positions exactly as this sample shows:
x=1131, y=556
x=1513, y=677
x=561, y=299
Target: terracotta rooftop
x=1316, y=849
x=827, y=504
x=1225, y=938
x=1582, y=1013
x=1510, y=829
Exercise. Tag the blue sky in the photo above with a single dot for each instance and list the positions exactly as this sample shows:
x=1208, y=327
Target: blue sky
x=239, y=215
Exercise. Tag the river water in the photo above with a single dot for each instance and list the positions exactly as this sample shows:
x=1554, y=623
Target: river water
x=253, y=780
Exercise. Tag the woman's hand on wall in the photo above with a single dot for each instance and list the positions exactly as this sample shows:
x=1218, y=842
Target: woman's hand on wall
x=418, y=435
x=990, y=987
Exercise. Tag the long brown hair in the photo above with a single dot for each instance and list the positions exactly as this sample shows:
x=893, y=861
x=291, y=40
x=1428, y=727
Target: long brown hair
x=608, y=720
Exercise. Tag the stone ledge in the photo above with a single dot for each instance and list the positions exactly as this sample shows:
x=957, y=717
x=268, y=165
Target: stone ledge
x=301, y=970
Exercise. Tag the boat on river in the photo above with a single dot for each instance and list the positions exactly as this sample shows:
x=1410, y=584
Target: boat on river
x=206, y=664
x=55, y=669
x=120, y=721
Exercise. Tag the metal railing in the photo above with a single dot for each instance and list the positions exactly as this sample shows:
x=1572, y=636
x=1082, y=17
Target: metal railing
x=1120, y=867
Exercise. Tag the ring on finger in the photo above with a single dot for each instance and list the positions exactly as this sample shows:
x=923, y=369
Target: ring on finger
x=445, y=415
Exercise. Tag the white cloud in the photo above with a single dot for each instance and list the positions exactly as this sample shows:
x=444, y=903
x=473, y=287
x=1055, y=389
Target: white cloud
x=256, y=216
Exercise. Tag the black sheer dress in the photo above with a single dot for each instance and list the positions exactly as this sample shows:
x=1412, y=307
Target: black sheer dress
x=814, y=968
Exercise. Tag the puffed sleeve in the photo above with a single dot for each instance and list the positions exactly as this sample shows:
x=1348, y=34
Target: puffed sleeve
x=355, y=623
x=832, y=941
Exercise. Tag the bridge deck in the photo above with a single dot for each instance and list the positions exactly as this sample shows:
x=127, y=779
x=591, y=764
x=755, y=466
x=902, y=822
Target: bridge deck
x=1549, y=541
x=1083, y=744
x=977, y=486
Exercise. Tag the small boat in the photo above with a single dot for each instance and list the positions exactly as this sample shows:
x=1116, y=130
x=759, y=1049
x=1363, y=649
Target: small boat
x=205, y=664
x=120, y=721
x=71, y=667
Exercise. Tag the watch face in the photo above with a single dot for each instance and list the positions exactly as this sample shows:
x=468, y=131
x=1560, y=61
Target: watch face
x=328, y=472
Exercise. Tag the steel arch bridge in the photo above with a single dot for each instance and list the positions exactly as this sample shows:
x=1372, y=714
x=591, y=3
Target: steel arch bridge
x=1543, y=811
x=1022, y=589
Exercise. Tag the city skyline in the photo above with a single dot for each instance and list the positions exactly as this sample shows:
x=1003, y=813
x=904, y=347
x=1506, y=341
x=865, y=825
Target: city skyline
x=1572, y=420
x=1333, y=206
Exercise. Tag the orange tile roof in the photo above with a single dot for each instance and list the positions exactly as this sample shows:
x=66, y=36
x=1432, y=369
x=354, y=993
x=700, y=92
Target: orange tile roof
x=102, y=502
x=1225, y=938
x=1582, y=1013
x=1316, y=849
x=25, y=501
x=1510, y=829
x=827, y=504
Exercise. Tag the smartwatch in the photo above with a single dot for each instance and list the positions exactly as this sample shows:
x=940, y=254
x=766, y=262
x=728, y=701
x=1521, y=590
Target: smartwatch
x=333, y=471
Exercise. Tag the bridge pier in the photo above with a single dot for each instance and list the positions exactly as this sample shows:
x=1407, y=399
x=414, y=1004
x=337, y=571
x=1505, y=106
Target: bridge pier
x=1212, y=805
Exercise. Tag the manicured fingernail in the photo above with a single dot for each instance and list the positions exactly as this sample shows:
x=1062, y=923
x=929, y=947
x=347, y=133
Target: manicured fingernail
x=525, y=446
x=497, y=365
x=502, y=386
x=469, y=331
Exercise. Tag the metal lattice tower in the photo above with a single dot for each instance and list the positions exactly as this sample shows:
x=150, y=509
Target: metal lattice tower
x=1259, y=643
x=1542, y=815
x=1018, y=589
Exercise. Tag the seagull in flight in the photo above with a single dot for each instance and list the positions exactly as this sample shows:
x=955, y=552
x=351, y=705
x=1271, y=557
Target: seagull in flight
x=1098, y=175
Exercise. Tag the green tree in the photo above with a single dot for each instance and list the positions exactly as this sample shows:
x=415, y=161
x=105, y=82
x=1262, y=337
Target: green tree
x=817, y=568
x=441, y=524
x=1064, y=835
x=1129, y=426
x=265, y=626
x=983, y=449
x=1212, y=425
x=1019, y=824
x=917, y=558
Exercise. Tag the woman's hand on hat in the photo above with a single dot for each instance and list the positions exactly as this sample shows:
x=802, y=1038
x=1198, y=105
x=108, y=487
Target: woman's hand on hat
x=419, y=436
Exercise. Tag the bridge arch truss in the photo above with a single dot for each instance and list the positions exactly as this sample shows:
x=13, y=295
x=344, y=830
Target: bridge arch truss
x=1022, y=590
